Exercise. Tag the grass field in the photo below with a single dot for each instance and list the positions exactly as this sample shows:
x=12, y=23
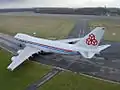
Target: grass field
x=71, y=81
x=20, y=78
x=43, y=26
x=112, y=32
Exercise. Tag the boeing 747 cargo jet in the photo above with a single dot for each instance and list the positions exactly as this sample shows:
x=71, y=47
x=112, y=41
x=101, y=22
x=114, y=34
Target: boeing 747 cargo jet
x=86, y=46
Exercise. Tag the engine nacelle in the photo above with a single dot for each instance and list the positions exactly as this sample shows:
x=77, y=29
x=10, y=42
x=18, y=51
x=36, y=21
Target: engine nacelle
x=13, y=58
x=19, y=51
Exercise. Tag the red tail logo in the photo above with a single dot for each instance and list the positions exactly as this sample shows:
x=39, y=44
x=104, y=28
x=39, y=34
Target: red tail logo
x=91, y=40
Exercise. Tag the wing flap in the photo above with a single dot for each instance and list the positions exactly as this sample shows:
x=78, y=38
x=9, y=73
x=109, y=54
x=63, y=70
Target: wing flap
x=24, y=54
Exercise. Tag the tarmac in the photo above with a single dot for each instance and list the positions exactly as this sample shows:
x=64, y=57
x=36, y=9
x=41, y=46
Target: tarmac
x=48, y=76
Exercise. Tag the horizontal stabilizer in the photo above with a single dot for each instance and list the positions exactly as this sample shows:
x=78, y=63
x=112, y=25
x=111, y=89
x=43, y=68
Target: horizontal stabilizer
x=90, y=54
x=102, y=47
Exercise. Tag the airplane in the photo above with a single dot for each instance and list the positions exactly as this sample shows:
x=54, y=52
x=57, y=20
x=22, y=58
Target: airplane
x=86, y=46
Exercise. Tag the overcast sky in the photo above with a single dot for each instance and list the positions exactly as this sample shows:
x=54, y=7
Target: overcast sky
x=59, y=3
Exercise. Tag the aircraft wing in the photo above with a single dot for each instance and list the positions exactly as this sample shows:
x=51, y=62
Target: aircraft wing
x=69, y=40
x=23, y=55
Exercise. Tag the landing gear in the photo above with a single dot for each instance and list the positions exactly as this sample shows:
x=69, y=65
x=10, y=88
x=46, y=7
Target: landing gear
x=31, y=58
x=44, y=53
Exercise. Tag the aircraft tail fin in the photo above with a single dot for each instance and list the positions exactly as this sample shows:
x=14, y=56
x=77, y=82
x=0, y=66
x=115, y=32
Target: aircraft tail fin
x=90, y=43
x=92, y=39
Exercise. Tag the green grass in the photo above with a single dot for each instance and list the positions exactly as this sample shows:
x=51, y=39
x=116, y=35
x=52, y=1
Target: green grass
x=111, y=27
x=43, y=26
x=24, y=75
x=71, y=81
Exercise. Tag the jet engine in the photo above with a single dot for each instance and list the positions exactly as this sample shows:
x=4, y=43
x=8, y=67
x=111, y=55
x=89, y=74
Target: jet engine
x=19, y=51
x=13, y=58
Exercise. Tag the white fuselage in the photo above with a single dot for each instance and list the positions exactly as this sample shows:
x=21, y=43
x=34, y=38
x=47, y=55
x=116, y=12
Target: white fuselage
x=49, y=45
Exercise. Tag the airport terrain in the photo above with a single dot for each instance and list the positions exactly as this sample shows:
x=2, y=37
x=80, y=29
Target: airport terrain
x=95, y=67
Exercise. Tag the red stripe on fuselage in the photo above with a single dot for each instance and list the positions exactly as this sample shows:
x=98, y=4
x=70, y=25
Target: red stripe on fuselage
x=44, y=45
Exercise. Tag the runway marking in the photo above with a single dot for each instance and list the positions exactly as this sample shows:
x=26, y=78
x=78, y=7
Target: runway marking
x=44, y=79
x=7, y=49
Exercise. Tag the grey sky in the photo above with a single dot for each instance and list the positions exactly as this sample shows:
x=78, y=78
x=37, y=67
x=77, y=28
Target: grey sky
x=59, y=3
